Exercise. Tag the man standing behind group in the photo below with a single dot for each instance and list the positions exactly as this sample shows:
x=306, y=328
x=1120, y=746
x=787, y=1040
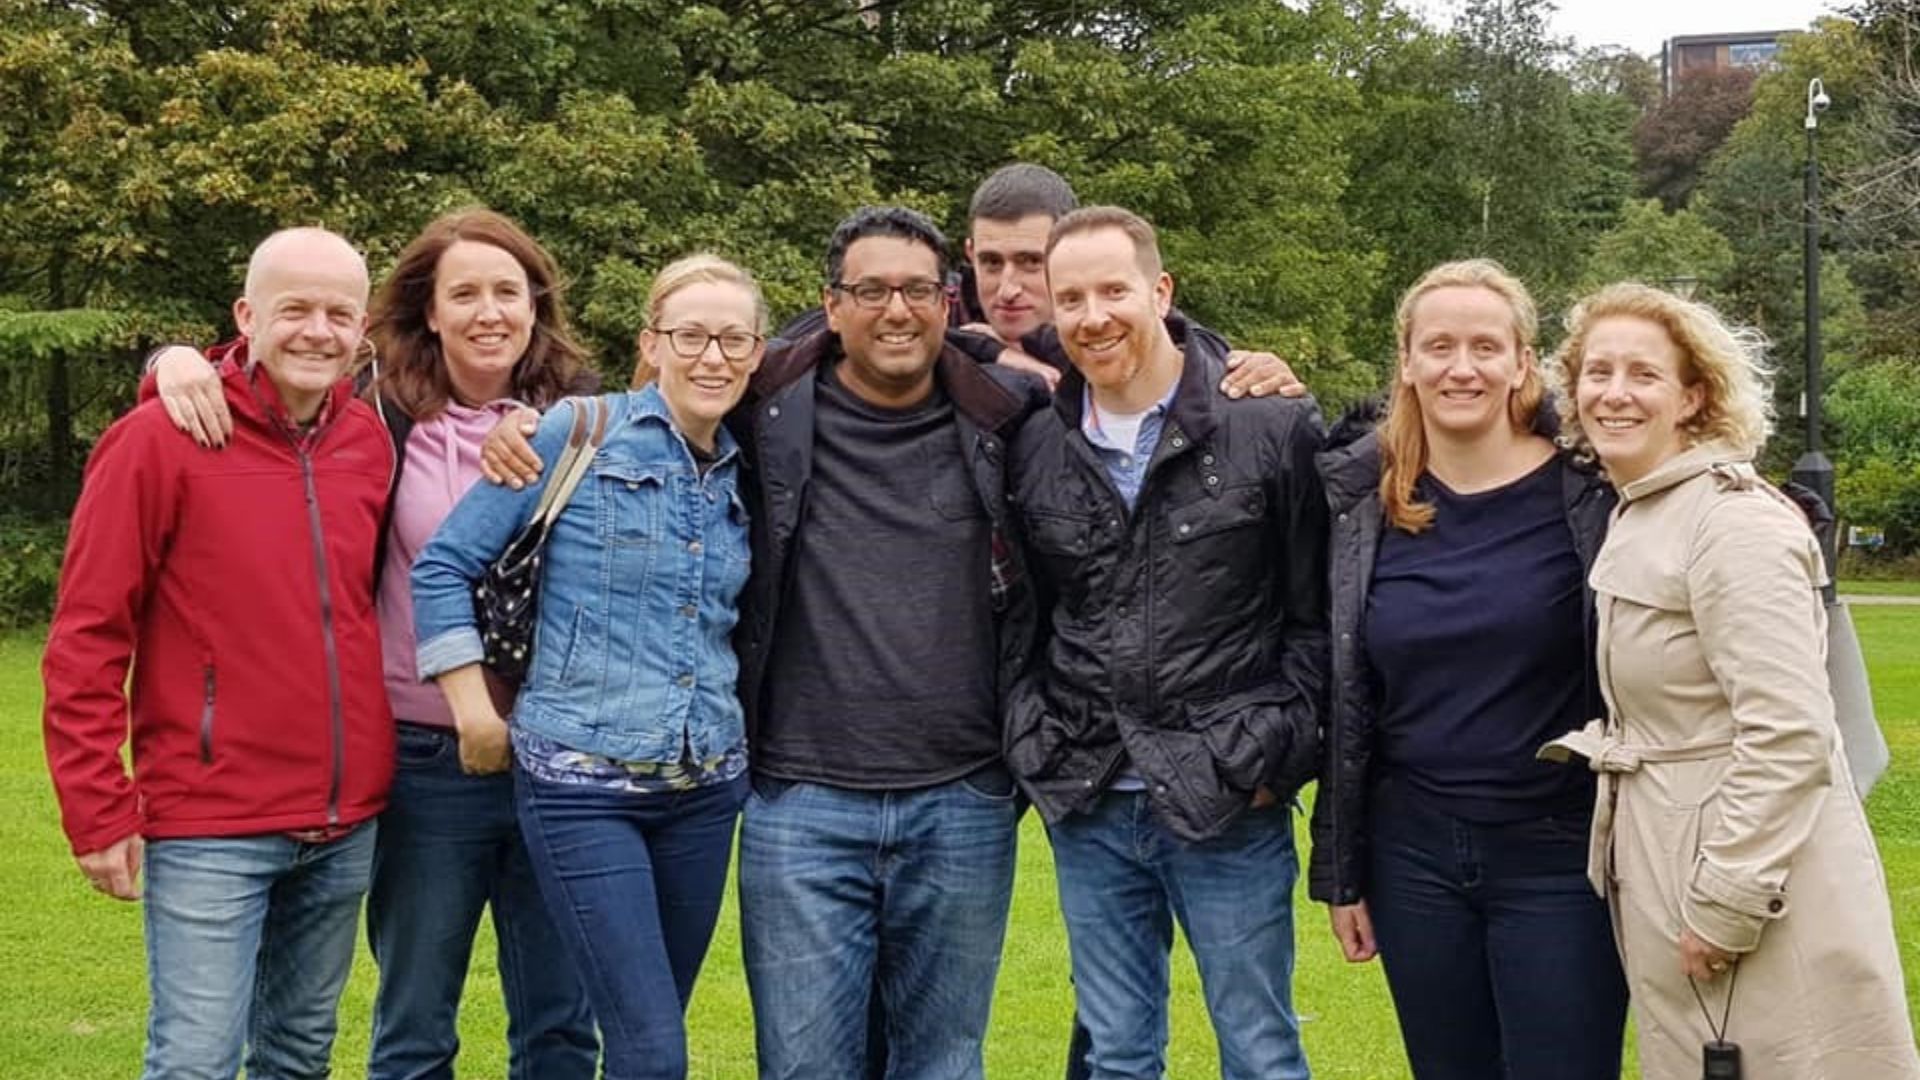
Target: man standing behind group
x=241, y=581
x=885, y=616
x=1008, y=221
x=1175, y=712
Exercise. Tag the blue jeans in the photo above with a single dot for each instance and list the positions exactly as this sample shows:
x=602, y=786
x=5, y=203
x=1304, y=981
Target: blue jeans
x=249, y=941
x=1124, y=879
x=634, y=883
x=449, y=848
x=845, y=894
x=1500, y=957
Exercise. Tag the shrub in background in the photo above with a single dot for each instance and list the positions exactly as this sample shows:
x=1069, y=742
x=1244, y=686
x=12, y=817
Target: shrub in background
x=30, y=552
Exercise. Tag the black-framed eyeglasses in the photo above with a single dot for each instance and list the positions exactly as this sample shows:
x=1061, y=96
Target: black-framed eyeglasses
x=919, y=293
x=690, y=342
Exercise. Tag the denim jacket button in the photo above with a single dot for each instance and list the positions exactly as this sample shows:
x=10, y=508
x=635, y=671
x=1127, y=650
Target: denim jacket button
x=685, y=680
x=693, y=547
x=689, y=610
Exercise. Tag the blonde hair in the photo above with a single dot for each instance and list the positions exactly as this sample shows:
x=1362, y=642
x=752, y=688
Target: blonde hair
x=1728, y=364
x=1403, y=438
x=702, y=268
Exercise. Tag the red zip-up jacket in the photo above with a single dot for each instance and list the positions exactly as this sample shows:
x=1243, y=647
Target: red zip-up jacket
x=238, y=584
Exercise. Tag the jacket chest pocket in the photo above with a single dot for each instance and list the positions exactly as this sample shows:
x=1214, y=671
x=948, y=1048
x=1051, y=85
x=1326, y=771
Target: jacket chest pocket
x=1061, y=543
x=1231, y=518
x=629, y=498
x=1060, y=535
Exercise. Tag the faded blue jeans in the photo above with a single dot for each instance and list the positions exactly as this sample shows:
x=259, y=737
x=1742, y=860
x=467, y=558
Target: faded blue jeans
x=1124, y=879
x=249, y=942
x=844, y=894
x=449, y=849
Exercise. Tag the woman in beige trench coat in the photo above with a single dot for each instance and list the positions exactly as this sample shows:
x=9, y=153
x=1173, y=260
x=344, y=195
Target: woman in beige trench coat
x=1728, y=839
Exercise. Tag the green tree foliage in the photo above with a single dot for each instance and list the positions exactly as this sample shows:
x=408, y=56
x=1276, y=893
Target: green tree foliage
x=1411, y=182
x=1752, y=195
x=1676, y=251
x=1877, y=474
x=1523, y=162
x=1879, y=197
x=1304, y=161
x=1674, y=140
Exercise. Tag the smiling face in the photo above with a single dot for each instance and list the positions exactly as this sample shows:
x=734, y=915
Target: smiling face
x=483, y=312
x=1634, y=396
x=1110, y=314
x=304, y=314
x=700, y=390
x=1010, y=272
x=1463, y=360
x=890, y=350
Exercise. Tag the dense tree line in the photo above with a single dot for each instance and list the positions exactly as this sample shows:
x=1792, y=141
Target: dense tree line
x=1305, y=160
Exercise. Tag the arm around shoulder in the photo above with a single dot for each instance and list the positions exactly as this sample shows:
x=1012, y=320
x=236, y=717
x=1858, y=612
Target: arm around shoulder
x=473, y=535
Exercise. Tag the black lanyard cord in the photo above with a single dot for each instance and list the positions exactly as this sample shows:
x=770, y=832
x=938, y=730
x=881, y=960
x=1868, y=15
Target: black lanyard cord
x=1719, y=1033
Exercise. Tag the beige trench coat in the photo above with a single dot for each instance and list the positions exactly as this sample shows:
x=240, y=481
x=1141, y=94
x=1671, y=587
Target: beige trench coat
x=1725, y=804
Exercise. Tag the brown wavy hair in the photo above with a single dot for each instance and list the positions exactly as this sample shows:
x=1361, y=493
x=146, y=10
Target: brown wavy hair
x=413, y=370
x=1403, y=441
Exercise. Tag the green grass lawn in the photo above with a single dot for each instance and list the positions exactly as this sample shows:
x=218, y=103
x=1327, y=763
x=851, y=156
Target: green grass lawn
x=1879, y=588
x=74, y=1005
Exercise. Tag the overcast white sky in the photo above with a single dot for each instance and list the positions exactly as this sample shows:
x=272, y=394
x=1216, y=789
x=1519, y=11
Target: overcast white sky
x=1642, y=25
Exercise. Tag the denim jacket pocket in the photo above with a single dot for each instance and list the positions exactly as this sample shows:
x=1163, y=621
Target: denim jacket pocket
x=629, y=495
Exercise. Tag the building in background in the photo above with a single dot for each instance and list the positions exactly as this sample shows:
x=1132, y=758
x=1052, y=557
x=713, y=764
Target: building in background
x=1682, y=56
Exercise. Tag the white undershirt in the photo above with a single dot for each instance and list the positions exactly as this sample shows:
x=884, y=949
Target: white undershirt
x=1122, y=430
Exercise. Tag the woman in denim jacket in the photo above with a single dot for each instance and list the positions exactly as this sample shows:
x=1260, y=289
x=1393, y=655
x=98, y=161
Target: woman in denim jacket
x=628, y=741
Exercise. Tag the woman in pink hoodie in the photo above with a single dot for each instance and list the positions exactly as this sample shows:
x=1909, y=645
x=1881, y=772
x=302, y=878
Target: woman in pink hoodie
x=469, y=326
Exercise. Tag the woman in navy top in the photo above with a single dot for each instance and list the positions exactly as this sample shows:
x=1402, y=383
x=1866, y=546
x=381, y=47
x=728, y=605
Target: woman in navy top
x=1461, y=538
x=629, y=745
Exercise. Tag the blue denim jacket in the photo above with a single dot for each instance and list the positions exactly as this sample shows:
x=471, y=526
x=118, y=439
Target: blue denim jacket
x=638, y=597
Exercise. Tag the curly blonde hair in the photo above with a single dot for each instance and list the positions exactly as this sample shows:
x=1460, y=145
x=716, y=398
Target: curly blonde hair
x=1403, y=438
x=1728, y=363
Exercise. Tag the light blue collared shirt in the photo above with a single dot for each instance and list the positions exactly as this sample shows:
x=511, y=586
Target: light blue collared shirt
x=1126, y=466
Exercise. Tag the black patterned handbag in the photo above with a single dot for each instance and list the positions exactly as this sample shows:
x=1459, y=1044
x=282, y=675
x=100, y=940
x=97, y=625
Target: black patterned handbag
x=506, y=598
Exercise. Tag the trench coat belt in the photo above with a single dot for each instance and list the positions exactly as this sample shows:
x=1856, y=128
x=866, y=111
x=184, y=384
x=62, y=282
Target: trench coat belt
x=1608, y=755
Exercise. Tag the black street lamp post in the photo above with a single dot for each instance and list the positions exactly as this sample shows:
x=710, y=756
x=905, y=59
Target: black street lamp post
x=1813, y=469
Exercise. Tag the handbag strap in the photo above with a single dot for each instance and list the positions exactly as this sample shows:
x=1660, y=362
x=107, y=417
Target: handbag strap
x=572, y=466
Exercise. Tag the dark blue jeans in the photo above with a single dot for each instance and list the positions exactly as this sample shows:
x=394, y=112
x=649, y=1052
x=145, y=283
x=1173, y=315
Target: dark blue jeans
x=449, y=848
x=634, y=883
x=847, y=894
x=1500, y=957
